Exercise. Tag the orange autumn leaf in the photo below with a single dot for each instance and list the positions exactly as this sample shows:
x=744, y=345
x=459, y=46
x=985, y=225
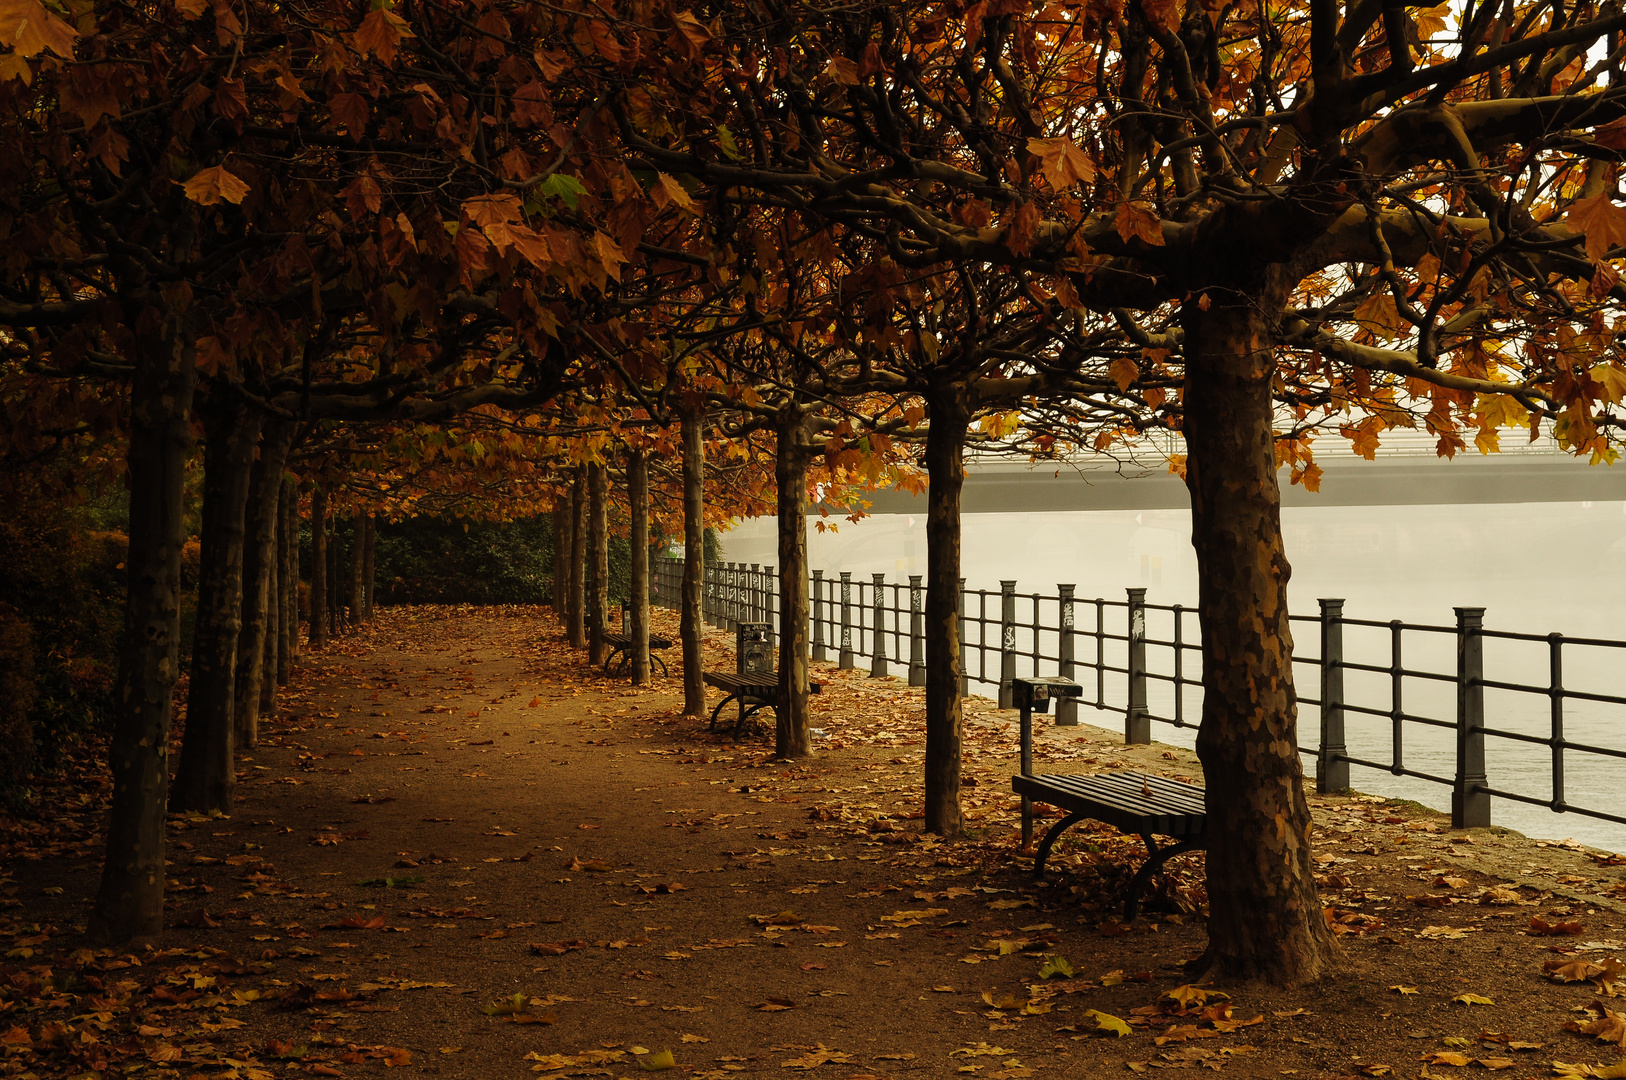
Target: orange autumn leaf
x=1135, y=221
x=216, y=184
x=1602, y=222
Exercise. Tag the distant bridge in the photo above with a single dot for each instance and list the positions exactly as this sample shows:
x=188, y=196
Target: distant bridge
x=1407, y=472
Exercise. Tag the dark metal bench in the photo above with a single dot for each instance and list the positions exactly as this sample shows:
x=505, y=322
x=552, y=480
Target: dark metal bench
x=1140, y=803
x=751, y=692
x=754, y=683
x=621, y=652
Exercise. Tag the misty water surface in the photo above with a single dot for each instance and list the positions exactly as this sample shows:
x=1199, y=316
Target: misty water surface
x=1534, y=567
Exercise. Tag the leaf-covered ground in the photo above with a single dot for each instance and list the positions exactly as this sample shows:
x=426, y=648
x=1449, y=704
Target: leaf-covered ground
x=460, y=851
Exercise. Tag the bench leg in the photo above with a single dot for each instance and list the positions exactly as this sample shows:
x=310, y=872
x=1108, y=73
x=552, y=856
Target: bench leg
x=745, y=716
x=1155, y=857
x=653, y=659
x=718, y=710
x=1050, y=838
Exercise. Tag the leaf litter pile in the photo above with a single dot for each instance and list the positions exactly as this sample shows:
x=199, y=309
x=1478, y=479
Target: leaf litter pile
x=459, y=850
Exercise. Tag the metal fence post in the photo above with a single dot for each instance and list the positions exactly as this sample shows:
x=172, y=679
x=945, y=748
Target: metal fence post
x=1007, y=642
x=1331, y=764
x=1066, y=708
x=708, y=594
x=814, y=610
x=959, y=606
x=845, y=659
x=1137, y=720
x=770, y=592
x=1470, y=802
x=917, y=634
x=877, y=663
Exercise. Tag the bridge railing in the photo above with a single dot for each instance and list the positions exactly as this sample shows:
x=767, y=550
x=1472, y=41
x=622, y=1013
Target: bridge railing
x=1460, y=706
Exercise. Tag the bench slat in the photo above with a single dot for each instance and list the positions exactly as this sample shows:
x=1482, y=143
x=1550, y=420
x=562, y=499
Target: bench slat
x=1175, y=808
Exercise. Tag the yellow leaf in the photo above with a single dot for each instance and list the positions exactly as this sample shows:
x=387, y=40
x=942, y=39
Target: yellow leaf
x=209, y=186
x=1473, y=999
x=1611, y=378
x=1404, y=989
x=657, y=1062
x=1064, y=163
x=668, y=192
x=1108, y=1024
x=1133, y=221
x=1603, y=223
x=1124, y=372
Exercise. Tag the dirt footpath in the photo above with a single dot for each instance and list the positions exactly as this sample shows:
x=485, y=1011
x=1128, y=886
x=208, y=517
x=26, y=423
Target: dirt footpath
x=460, y=851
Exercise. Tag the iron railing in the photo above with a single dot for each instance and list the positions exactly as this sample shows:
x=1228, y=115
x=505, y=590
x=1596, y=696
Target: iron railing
x=1143, y=660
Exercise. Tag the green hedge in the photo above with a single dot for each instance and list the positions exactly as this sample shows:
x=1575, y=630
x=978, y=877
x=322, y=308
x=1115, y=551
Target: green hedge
x=429, y=560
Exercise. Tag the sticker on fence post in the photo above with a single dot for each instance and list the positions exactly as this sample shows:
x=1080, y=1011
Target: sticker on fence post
x=846, y=659
x=1137, y=720
x=1007, y=641
x=1066, y=707
x=877, y=662
x=917, y=634
x=814, y=613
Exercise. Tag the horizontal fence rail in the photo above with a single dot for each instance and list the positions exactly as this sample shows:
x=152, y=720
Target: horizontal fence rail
x=1452, y=705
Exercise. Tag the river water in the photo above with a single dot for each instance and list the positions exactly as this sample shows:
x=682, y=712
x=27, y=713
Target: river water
x=1536, y=568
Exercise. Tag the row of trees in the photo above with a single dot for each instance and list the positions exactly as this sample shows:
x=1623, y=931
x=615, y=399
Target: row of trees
x=478, y=253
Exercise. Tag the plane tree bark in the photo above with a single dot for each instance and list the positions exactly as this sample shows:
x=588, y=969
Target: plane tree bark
x=206, y=775
x=259, y=589
x=691, y=628
x=130, y=898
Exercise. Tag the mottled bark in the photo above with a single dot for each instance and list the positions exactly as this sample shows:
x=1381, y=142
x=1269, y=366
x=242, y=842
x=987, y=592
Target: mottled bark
x=369, y=564
x=793, y=737
x=335, y=571
x=575, y=622
x=317, y=600
x=945, y=468
x=562, y=519
x=598, y=601
x=259, y=585
x=356, y=600
x=1264, y=919
x=271, y=652
x=638, y=602
x=206, y=775
x=130, y=899
x=288, y=548
x=691, y=627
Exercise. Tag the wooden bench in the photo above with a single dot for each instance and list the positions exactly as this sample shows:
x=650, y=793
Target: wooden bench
x=621, y=652
x=752, y=692
x=1131, y=802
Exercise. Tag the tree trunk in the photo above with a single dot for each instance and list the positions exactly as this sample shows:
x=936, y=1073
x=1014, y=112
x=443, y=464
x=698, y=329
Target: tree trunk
x=335, y=580
x=318, y=589
x=130, y=899
x=690, y=625
x=259, y=583
x=638, y=602
x=793, y=736
x=271, y=654
x=576, y=625
x=562, y=517
x=358, y=561
x=206, y=774
x=369, y=564
x=599, y=530
x=288, y=548
x=949, y=414
x=1264, y=919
